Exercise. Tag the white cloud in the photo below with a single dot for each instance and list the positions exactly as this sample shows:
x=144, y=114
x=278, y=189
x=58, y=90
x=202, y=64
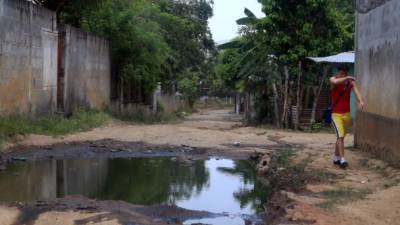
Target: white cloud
x=223, y=25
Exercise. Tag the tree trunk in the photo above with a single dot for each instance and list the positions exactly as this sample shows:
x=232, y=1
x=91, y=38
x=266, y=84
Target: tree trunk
x=276, y=106
x=290, y=100
x=318, y=94
x=299, y=96
x=237, y=103
x=121, y=95
x=247, y=104
x=307, y=96
x=286, y=99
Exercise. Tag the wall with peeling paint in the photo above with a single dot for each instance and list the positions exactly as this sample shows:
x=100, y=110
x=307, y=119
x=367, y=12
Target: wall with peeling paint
x=29, y=50
x=28, y=58
x=87, y=70
x=378, y=74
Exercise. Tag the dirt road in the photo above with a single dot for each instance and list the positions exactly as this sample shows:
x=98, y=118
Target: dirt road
x=220, y=130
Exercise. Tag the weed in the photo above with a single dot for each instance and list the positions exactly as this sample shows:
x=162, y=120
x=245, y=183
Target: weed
x=322, y=176
x=214, y=103
x=54, y=125
x=382, y=170
x=285, y=175
x=314, y=127
x=284, y=157
x=364, y=162
x=391, y=183
x=342, y=195
x=150, y=118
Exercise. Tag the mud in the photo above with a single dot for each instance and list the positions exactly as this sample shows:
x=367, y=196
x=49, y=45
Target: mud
x=124, y=213
x=109, y=148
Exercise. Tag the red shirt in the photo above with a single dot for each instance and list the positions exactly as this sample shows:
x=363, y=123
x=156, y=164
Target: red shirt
x=342, y=105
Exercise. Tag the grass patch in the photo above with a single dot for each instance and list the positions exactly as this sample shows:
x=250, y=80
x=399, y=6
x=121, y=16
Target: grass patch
x=323, y=176
x=54, y=125
x=155, y=118
x=342, y=195
x=145, y=117
x=214, y=103
x=283, y=174
x=314, y=127
x=284, y=156
x=364, y=162
x=391, y=183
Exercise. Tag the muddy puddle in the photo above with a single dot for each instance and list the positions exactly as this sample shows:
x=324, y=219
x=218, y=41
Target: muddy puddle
x=226, y=188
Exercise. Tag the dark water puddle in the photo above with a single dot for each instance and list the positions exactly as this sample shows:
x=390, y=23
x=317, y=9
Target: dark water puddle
x=228, y=188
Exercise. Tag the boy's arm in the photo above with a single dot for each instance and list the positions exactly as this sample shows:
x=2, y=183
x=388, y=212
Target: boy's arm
x=358, y=95
x=341, y=80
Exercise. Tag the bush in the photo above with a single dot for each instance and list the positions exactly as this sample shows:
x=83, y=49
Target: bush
x=315, y=127
x=143, y=116
x=342, y=195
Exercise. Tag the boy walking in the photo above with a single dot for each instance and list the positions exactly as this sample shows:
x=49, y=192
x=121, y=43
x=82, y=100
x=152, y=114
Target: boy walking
x=341, y=86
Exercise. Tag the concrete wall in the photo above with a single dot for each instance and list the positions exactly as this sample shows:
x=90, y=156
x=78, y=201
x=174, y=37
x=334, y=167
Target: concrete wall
x=28, y=58
x=87, y=70
x=378, y=74
x=165, y=102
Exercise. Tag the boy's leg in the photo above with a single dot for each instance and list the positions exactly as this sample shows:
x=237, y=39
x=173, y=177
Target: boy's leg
x=336, y=157
x=339, y=124
x=340, y=143
x=337, y=153
x=336, y=121
x=346, y=119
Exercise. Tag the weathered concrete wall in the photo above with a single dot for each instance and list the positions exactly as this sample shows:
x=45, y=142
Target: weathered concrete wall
x=378, y=74
x=87, y=70
x=166, y=102
x=28, y=58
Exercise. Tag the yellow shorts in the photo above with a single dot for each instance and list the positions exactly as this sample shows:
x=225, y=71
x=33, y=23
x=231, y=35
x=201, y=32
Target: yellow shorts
x=341, y=123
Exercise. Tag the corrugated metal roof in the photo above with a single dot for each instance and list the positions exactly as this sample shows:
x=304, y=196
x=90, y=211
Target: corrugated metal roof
x=344, y=57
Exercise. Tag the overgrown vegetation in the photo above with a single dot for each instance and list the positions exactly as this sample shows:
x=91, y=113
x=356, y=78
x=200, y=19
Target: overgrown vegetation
x=283, y=174
x=323, y=176
x=283, y=157
x=315, y=127
x=54, y=125
x=214, y=103
x=141, y=116
x=342, y=195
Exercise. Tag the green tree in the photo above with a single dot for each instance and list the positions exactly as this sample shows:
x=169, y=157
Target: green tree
x=138, y=47
x=185, y=28
x=189, y=83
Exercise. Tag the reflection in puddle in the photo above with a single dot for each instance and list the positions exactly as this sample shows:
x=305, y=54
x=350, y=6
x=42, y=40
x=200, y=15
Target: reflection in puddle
x=225, y=187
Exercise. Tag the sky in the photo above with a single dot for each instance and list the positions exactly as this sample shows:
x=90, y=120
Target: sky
x=223, y=24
